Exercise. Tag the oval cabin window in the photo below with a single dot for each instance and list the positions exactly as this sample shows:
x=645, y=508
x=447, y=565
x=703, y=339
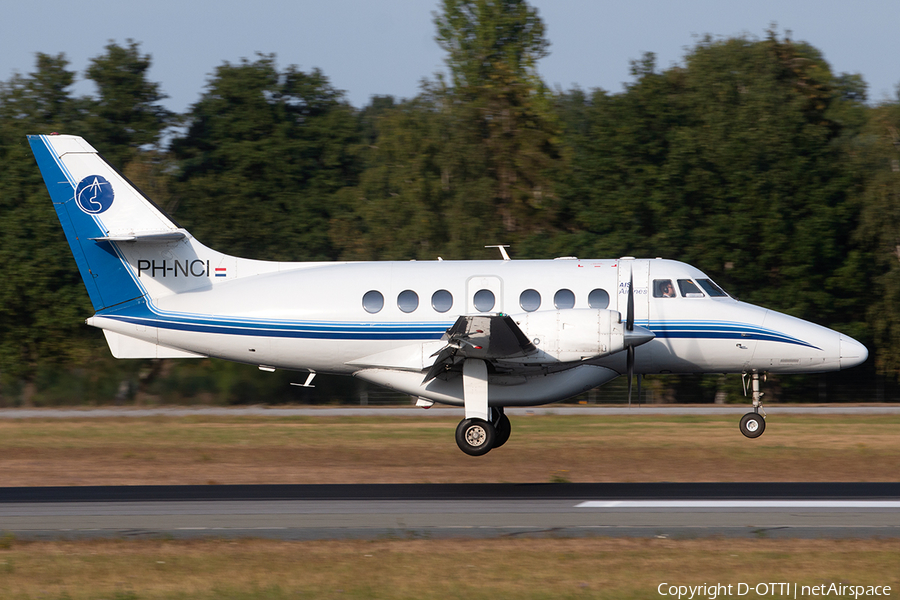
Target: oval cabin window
x=373, y=301
x=484, y=300
x=598, y=299
x=408, y=301
x=442, y=301
x=564, y=299
x=530, y=300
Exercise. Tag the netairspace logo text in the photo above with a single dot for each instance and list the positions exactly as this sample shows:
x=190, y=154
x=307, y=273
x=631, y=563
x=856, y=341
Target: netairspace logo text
x=772, y=590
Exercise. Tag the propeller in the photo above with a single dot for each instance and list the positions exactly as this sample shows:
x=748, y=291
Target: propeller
x=629, y=328
x=634, y=336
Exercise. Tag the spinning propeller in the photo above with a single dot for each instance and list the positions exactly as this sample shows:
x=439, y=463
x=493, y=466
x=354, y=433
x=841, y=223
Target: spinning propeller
x=635, y=335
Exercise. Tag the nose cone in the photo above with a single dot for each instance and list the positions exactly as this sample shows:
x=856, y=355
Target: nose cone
x=852, y=352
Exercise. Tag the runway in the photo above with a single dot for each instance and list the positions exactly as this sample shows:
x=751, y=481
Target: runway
x=298, y=512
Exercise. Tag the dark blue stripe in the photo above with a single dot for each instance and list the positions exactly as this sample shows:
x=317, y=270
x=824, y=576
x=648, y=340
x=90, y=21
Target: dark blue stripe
x=351, y=333
x=737, y=334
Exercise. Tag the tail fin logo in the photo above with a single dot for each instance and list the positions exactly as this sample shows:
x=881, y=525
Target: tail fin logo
x=94, y=194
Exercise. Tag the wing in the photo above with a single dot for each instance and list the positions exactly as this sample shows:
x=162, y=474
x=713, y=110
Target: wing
x=490, y=338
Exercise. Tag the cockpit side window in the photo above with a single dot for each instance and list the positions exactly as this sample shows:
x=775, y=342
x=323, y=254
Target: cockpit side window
x=689, y=289
x=711, y=288
x=663, y=288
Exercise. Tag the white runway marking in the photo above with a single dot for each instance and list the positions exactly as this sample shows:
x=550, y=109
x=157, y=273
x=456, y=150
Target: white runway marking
x=790, y=504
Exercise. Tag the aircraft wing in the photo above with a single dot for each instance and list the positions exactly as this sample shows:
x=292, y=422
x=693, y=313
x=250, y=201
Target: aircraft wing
x=491, y=337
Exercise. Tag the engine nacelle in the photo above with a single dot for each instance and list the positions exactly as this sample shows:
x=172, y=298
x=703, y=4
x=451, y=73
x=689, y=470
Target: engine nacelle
x=574, y=334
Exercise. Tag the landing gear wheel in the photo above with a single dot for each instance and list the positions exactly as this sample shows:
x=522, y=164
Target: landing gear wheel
x=753, y=425
x=475, y=437
x=504, y=428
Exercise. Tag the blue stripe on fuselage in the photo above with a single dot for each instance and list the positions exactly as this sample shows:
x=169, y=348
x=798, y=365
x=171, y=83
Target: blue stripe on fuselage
x=721, y=330
x=140, y=313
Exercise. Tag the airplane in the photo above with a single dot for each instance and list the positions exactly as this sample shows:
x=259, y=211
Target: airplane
x=480, y=334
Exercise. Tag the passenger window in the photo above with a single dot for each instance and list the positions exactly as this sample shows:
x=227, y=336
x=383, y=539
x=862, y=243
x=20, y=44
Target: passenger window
x=373, y=301
x=564, y=299
x=598, y=299
x=484, y=300
x=711, y=288
x=663, y=288
x=408, y=301
x=689, y=289
x=530, y=300
x=442, y=301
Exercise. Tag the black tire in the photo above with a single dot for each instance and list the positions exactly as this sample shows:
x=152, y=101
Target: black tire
x=504, y=428
x=475, y=437
x=753, y=425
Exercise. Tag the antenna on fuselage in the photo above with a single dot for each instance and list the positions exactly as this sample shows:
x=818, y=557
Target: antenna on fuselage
x=502, y=248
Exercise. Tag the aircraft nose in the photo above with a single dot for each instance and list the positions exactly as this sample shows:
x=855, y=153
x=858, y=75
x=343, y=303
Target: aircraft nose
x=852, y=352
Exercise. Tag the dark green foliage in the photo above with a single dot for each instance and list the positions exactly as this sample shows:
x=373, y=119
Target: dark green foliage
x=43, y=302
x=126, y=113
x=464, y=164
x=876, y=156
x=263, y=155
x=735, y=163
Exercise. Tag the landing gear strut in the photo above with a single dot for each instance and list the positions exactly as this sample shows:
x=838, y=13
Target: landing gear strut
x=501, y=424
x=753, y=424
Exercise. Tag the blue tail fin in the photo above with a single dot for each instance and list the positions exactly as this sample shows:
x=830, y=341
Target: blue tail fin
x=125, y=246
x=92, y=201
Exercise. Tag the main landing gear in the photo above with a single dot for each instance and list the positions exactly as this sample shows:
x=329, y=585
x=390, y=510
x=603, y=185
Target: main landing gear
x=477, y=437
x=753, y=424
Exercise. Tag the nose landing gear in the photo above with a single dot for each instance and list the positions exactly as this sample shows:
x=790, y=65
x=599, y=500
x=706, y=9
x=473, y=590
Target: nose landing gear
x=753, y=424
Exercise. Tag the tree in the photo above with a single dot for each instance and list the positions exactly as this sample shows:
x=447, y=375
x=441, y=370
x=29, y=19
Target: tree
x=733, y=162
x=502, y=123
x=42, y=299
x=877, y=155
x=126, y=114
x=399, y=209
x=263, y=155
x=468, y=160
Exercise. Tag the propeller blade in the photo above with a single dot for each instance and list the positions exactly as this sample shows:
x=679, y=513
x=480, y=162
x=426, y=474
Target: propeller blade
x=629, y=313
x=630, y=370
x=640, y=377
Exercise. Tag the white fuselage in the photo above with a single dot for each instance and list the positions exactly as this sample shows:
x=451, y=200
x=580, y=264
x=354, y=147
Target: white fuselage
x=312, y=316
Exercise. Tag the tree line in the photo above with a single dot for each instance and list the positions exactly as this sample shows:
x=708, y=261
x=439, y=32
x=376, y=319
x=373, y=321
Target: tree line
x=751, y=160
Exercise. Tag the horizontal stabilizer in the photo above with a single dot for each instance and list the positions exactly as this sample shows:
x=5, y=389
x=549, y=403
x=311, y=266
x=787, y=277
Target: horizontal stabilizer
x=151, y=237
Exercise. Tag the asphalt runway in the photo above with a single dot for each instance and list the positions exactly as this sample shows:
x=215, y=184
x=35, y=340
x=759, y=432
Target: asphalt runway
x=299, y=512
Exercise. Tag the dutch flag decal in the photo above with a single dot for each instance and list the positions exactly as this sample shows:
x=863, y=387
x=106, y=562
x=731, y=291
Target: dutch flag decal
x=221, y=272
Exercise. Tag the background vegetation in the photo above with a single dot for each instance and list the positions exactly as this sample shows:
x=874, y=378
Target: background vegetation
x=751, y=160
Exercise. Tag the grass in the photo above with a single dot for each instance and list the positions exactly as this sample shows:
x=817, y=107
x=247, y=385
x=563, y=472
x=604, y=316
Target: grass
x=423, y=569
x=206, y=450
x=190, y=450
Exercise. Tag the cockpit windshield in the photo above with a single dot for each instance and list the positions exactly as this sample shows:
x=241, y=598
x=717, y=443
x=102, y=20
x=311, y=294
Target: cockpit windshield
x=689, y=289
x=711, y=288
